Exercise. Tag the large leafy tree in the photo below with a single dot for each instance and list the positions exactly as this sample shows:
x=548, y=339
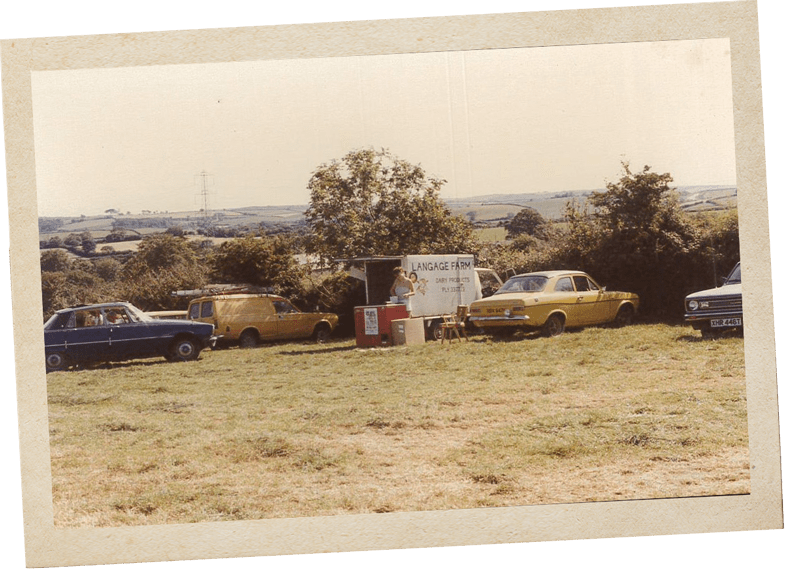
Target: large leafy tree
x=526, y=222
x=66, y=282
x=635, y=236
x=373, y=203
x=719, y=246
x=55, y=261
x=163, y=263
x=263, y=261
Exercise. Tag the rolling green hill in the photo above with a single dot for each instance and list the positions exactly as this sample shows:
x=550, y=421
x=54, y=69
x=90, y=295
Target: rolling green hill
x=484, y=211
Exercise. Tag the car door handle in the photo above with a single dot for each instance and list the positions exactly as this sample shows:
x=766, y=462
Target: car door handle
x=580, y=298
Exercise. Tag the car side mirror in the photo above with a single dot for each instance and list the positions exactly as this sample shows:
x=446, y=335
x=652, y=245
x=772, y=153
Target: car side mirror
x=602, y=289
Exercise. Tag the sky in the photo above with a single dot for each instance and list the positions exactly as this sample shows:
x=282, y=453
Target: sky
x=488, y=121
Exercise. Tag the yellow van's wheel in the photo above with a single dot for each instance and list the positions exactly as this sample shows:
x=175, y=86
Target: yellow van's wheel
x=321, y=333
x=249, y=339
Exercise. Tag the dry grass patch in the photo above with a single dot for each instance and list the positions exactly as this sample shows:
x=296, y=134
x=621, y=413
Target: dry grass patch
x=292, y=430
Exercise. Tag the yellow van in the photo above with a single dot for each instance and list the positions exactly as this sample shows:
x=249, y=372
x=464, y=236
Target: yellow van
x=249, y=319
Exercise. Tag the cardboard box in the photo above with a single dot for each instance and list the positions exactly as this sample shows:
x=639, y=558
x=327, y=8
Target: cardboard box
x=408, y=331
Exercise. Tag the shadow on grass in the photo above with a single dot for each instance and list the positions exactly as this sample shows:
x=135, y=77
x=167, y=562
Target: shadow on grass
x=702, y=339
x=732, y=334
x=98, y=366
x=506, y=337
x=320, y=350
x=125, y=364
x=690, y=339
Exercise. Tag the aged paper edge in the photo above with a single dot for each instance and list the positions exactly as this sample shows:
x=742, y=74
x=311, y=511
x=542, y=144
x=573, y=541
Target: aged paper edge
x=761, y=509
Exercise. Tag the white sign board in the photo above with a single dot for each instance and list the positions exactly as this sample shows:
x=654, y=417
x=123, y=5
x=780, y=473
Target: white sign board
x=441, y=283
x=371, y=321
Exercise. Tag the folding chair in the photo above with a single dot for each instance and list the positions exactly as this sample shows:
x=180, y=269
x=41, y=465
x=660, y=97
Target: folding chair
x=454, y=324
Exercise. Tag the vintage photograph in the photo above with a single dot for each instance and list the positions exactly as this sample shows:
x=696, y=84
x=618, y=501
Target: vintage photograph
x=478, y=280
x=391, y=283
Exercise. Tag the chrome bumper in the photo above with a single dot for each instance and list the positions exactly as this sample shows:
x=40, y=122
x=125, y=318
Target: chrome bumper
x=692, y=317
x=499, y=318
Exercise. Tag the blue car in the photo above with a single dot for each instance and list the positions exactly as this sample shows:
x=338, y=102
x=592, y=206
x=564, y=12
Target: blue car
x=119, y=332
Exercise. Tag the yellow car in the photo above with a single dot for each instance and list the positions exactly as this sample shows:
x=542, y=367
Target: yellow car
x=552, y=302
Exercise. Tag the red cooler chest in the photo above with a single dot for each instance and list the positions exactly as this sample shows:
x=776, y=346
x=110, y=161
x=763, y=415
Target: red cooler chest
x=373, y=323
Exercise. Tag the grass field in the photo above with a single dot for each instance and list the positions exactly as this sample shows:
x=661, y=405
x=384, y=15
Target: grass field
x=290, y=430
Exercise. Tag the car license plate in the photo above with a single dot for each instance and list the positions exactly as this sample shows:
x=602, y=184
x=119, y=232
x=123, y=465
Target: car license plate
x=729, y=322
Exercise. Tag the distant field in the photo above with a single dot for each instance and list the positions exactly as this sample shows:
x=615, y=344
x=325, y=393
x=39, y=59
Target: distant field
x=288, y=430
x=485, y=212
x=88, y=224
x=96, y=233
x=133, y=245
x=548, y=207
x=491, y=234
x=100, y=226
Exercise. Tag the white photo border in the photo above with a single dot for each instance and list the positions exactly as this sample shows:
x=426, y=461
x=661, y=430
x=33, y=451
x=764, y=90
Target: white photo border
x=762, y=509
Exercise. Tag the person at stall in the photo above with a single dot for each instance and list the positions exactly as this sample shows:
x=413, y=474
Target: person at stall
x=402, y=289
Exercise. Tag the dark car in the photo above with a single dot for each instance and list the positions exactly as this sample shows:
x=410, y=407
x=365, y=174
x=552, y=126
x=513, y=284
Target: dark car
x=118, y=332
x=714, y=310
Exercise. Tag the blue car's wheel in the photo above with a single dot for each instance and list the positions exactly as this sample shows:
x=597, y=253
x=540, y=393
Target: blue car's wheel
x=55, y=362
x=184, y=350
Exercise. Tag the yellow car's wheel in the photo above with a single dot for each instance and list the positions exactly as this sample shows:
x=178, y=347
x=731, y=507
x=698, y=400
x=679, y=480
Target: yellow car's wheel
x=553, y=326
x=624, y=316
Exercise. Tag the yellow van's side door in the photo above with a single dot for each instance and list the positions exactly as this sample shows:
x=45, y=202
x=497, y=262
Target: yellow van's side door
x=203, y=311
x=292, y=323
x=261, y=314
